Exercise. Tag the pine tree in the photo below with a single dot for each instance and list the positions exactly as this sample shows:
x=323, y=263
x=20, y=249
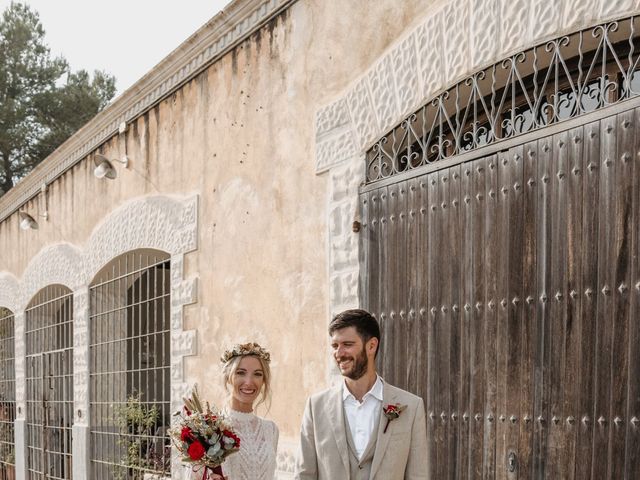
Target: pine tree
x=42, y=103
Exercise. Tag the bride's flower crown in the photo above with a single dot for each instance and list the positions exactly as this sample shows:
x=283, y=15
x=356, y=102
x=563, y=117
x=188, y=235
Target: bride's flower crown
x=242, y=349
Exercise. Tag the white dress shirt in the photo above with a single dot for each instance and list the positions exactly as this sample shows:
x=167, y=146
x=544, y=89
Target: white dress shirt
x=362, y=417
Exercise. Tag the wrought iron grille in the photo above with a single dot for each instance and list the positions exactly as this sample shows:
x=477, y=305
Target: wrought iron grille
x=130, y=368
x=549, y=83
x=7, y=395
x=49, y=375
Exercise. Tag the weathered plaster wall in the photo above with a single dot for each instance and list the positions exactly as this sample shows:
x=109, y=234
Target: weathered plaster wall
x=241, y=136
x=271, y=140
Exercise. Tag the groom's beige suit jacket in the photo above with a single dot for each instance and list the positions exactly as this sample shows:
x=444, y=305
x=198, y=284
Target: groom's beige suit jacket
x=400, y=453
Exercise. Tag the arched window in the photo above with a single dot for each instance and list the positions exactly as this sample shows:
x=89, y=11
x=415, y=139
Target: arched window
x=130, y=367
x=544, y=85
x=7, y=394
x=49, y=375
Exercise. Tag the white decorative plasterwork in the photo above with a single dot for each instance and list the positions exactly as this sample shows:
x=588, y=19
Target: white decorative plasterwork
x=454, y=40
x=159, y=222
x=61, y=264
x=9, y=292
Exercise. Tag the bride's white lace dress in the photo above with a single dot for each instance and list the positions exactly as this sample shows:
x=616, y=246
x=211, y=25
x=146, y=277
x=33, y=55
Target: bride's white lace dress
x=256, y=459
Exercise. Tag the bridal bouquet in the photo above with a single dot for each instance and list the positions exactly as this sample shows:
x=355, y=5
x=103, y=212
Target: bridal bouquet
x=203, y=437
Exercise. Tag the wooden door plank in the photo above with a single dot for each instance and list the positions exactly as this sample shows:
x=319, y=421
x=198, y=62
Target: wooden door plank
x=422, y=286
x=632, y=456
x=602, y=384
x=430, y=200
x=490, y=295
x=588, y=293
x=515, y=351
x=436, y=347
x=384, y=254
x=502, y=309
x=365, y=250
x=374, y=301
x=412, y=333
x=466, y=316
x=529, y=330
x=557, y=299
x=455, y=346
x=541, y=416
x=477, y=334
x=573, y=300
x=398, y=282
x=621, y=275
x=445, y=320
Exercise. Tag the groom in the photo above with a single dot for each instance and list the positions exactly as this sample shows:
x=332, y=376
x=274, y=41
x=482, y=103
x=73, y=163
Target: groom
x=363, y=429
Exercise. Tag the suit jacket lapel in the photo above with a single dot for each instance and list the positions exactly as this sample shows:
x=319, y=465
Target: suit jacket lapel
x=382, y=441
x=335, y=413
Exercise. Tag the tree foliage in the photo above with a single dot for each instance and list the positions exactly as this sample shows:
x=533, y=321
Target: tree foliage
x=41, y=101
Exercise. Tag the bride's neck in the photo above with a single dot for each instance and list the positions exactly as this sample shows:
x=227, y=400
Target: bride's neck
x=240, y=406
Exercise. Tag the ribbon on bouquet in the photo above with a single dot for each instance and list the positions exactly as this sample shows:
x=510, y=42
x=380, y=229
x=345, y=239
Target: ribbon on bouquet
x=217, y=470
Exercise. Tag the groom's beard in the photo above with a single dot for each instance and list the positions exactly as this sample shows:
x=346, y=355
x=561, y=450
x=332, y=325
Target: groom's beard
x=359, y=367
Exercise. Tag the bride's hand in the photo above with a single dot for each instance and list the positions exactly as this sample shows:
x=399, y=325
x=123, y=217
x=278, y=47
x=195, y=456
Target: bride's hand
x=215, y=476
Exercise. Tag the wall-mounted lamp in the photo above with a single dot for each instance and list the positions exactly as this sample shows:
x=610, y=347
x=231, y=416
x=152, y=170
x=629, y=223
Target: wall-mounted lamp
x=104, y=166
x=27, y=222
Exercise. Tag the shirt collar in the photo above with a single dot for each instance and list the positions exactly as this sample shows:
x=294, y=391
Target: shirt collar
x=376, y=391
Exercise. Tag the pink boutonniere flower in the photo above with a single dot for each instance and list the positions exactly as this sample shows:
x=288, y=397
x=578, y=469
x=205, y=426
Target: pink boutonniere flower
x=392, y=411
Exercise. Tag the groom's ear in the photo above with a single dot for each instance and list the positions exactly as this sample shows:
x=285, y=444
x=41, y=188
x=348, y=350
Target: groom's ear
x=372, y=345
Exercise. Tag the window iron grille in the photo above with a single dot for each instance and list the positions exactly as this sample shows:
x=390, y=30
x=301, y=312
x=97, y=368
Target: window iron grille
x=130, y=367
x=49, y=377
x=544, y=85
x=7, y=395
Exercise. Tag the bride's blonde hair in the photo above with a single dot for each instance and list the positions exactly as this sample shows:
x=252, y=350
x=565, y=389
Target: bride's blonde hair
x=231, y=361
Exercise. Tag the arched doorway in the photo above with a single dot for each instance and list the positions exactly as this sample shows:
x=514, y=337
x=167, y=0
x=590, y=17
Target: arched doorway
x=130, y=386
x=49, y=381
x=7, y=394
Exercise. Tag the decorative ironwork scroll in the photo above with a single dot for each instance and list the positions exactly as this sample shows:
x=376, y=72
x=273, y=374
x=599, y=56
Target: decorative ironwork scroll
x=544, y=85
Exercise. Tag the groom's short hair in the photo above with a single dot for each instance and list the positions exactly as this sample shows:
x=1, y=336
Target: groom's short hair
x=365, y=324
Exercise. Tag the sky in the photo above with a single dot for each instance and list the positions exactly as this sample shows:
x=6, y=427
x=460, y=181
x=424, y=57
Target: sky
x=125, y=38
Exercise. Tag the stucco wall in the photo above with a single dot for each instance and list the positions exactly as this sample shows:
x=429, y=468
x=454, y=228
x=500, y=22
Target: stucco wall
x=270, y=139
x=241, y=137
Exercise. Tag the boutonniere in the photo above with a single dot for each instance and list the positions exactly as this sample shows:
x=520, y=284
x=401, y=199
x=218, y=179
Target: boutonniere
x=392, y=411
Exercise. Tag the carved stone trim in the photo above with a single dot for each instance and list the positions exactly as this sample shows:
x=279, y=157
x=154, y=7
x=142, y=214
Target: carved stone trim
x=212, y=41
x=9, y=292
x=160, y=222
x=448, y=45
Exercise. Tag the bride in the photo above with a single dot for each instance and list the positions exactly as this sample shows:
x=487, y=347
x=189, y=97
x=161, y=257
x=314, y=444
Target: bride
x=247, y=378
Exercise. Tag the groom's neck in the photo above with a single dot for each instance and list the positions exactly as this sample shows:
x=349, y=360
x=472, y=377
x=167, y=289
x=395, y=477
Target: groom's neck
x=361, y=386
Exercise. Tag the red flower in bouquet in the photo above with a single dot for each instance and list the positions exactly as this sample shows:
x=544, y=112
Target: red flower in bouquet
x=186, y=434
x=196, y=450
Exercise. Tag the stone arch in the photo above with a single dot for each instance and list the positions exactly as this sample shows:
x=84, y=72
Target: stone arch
x=9, y=292
x=159, y=222
x=56, y=264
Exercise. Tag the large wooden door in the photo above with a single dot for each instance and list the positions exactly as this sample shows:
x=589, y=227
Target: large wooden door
x=508, y=291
